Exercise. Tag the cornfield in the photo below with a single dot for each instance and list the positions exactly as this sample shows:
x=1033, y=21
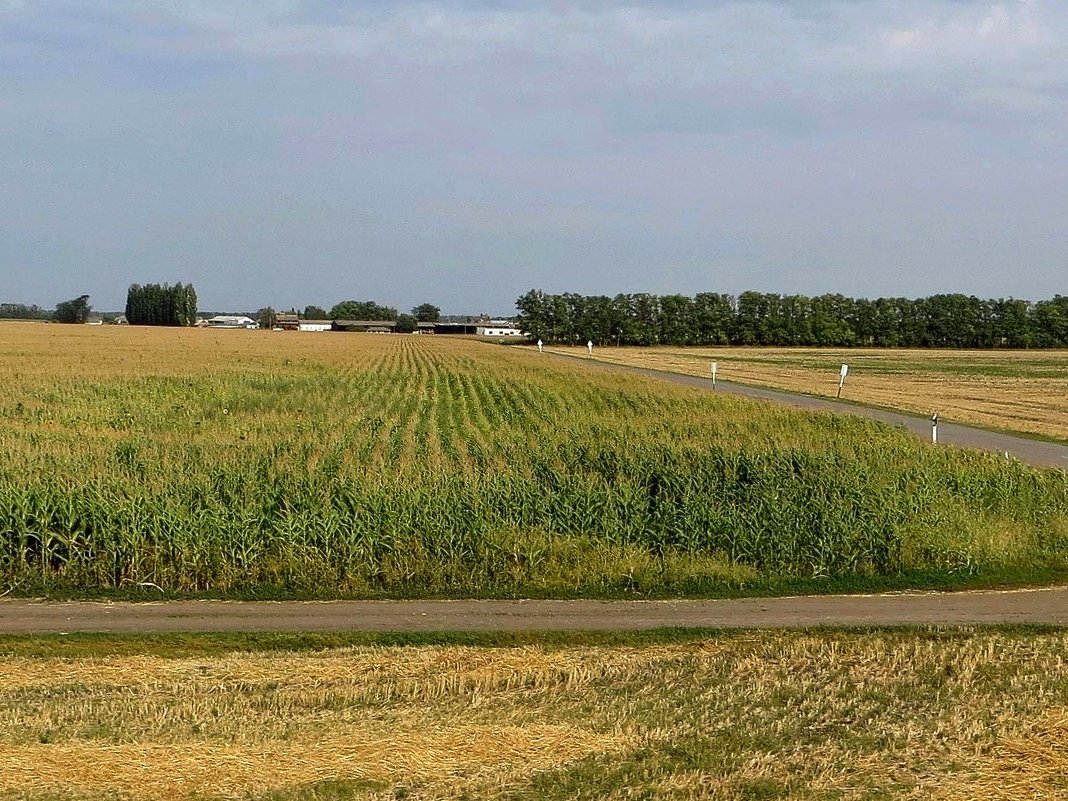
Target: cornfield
x=240, y=462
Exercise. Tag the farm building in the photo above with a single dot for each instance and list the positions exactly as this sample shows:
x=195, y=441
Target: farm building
x=370, y=326
x=316, y=325
x=287, y=321
x=455, y=328
x=231, y=321
x=497, y=329
x=494, y=328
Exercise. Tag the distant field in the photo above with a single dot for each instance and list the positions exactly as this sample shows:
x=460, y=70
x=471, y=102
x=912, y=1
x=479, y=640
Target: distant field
x=1024, y=391
x=260, y=463
x=754, y=715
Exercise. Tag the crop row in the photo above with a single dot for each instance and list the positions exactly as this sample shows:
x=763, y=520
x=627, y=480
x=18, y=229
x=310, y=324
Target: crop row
x=405, y=465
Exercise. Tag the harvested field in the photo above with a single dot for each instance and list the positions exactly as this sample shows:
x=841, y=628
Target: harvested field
x=923, y=715
x=1022, y=391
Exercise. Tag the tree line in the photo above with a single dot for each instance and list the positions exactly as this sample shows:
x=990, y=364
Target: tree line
x=760, y=318
x=76, y=310
x=23, y=311
x=161, y=304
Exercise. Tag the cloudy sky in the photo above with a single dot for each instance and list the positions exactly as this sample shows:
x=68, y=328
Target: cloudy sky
x=284, y=152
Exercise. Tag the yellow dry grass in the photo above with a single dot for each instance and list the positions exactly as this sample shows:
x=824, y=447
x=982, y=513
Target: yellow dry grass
x=1032, y=766
x=40, y=354
x=387, y=753
x=1024, y=391
x=146, y=727
x=932, y=716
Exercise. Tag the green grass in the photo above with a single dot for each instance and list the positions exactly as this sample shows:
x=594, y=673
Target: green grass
x=182, y=645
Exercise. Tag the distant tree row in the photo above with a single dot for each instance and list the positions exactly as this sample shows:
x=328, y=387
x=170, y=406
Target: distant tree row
x=757, y=318
x=362, y=310
x=20, y=311
x=369, y=310
x=161, y=304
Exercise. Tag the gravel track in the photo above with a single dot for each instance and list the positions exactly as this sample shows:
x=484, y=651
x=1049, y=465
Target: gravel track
x=1037, y=606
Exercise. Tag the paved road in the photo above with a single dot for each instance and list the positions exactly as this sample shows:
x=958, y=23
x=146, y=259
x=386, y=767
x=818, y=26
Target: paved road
x=1030, y=451
x=1045, y=606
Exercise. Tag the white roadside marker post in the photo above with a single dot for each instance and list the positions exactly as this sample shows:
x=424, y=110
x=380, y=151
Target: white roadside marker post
x=841, y=379
x=713, y=367
x=589, y=346
x=934, y=428
x=539, y=346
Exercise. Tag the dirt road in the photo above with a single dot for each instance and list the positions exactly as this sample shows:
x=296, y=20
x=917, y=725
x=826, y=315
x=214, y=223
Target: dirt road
x=1030, y=451
x=1046, y=606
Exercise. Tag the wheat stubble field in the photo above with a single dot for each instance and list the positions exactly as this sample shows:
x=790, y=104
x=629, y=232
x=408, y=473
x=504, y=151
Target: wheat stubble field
x=754, y=715
x=174, y=463
x=1018, y=391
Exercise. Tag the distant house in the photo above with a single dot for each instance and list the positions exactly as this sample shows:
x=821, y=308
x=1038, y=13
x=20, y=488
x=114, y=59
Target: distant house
x=94, y=320
x=499, y=330
x=316, y=325
x=231, y=321
x=287, y=321
x=121, y=320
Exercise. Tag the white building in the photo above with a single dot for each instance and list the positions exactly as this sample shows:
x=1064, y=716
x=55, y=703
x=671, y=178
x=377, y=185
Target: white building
x=315, y=325
x=231, y=321
x=501, y=330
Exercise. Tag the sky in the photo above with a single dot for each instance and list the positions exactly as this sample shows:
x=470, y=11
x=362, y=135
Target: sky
x=285, y=153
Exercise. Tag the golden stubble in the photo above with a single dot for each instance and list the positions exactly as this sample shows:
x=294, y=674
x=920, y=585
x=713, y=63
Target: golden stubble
x=146, y=727
x=978, y=715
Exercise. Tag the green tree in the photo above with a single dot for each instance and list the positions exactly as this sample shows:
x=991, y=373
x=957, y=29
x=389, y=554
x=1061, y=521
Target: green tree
x=646, y=311
x=20, y=311
x=713, y=315
x=362, y=310
x=677, y=326
x=73, y=311
x=155, y=304
x=406, y=323
x=426, y=313
x=1010, y=323
x=752, y=309
x=1051, y=322
x=314, y=313
x=830, y=321
x=535, y=315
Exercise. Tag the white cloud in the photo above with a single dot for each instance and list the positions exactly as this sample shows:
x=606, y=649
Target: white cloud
x=1002, y=28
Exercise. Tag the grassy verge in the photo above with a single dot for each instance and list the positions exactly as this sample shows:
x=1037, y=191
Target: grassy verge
x=621, y=587
x=823, y=714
